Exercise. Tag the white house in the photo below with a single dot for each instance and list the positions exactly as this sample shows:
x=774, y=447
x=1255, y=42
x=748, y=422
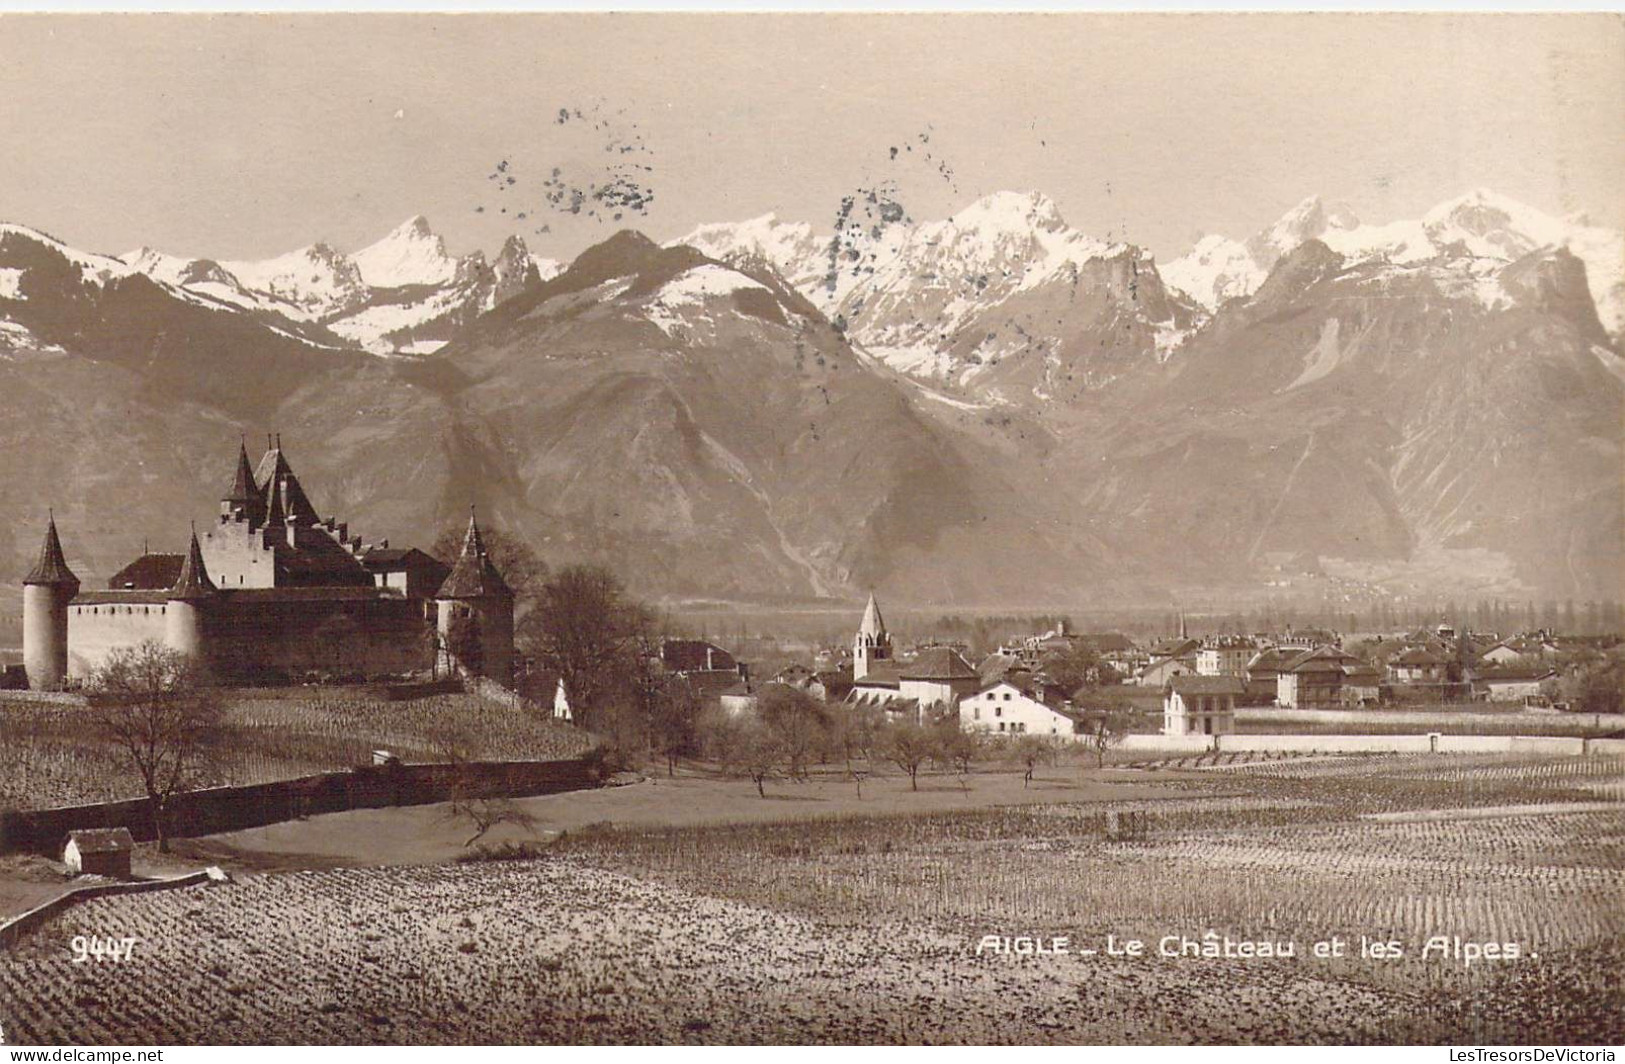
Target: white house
x=1003, y=708
x=561, y=704
x=1200, y=705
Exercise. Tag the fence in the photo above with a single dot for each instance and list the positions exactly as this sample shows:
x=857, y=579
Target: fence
x=14, y=930
x=219, y=809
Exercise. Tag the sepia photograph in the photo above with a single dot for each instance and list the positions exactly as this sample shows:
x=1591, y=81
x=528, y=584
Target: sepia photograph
x=812, y=528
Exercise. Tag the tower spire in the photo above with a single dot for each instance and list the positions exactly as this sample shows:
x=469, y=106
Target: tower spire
x=52, y=568
x=194, y=582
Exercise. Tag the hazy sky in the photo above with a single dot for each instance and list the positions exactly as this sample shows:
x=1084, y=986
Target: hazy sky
x=244, y=136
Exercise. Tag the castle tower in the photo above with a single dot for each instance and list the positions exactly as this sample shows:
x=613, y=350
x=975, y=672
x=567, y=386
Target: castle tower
x=873, y=642
x=244, y=499
x=188, y=603
x=47, y=590
x=474, y=613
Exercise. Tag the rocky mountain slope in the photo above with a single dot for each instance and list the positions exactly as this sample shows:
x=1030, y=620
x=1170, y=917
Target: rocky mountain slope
x=989, y=410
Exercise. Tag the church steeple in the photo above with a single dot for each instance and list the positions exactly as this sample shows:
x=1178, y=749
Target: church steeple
x=872, y=643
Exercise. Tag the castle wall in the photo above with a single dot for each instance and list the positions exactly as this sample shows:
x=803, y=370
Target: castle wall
x=259, y=639
x=96, y=630
x=237, y=556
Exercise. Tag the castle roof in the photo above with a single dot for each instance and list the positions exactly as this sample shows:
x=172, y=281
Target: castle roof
x=150, y=572
x=245, y=490
x=194, y=582
x=52, y=568
x=285, y=499
x=873, y=624
x=474, y=575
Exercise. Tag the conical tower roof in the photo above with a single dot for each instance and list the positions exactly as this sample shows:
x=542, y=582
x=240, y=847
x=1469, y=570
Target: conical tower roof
x=873, y=624
x=474, y=575
x=194, y=582
x=245, y=490
x=277, y=482
x=52, y=568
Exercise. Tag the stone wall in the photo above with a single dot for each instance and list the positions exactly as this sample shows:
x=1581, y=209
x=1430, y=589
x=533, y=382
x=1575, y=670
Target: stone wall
x=221, y=809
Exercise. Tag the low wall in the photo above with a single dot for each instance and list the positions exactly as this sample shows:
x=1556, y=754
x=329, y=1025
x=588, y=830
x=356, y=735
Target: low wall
x=1376, y=744
x=14, y=930
x=60, y=698
x=219, y=809
x=1258, y=714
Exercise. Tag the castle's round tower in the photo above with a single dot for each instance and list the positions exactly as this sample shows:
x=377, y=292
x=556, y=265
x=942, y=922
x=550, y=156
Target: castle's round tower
x=47, y=590
x=474, y=614
x=186, y=612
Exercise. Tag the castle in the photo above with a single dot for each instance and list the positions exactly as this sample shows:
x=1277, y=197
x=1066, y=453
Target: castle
x=271, y=592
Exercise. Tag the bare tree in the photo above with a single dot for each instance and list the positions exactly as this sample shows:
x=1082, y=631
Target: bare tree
x=909, y=746
x=801, y=723
x=958, y=749
x=1105, y=729
x=1030, y=751
x=487, y=813
x=154, y=704
x=586, y=630
x=745, y=746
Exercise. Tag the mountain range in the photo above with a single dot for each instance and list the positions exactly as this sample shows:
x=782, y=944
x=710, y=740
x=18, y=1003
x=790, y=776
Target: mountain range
x=990, y=409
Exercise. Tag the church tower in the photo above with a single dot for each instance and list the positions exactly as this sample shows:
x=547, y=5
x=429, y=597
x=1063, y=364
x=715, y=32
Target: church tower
x=47, y=590
x=873, y=642
x=189, y=599
x=474, y=613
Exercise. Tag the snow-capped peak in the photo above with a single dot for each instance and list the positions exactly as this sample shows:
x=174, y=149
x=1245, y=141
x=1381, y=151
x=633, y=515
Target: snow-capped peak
x=1481, y=224
x=412, y=254
x=1011, y=212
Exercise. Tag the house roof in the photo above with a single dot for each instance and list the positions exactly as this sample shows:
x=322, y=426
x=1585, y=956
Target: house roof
x=1417, y=656
x=939, y=663
x=52, y=568
x=102, y=840
x=1322, y=659
x=150, y=572
x=1109, y=642
x=474, y=575
x=1189, y=684
x=695, y=655
x=1515, y=675
x=1271, y=660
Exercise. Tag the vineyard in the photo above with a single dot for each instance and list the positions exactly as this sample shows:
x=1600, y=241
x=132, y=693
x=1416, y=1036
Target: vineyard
x=865, y=928
x=48, y=759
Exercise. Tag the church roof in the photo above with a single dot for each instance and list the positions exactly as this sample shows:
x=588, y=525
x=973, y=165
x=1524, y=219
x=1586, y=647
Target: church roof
x=873, y=624
x=474, y=575
x=939, y=663
x=52, y=568
x=194, y=582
